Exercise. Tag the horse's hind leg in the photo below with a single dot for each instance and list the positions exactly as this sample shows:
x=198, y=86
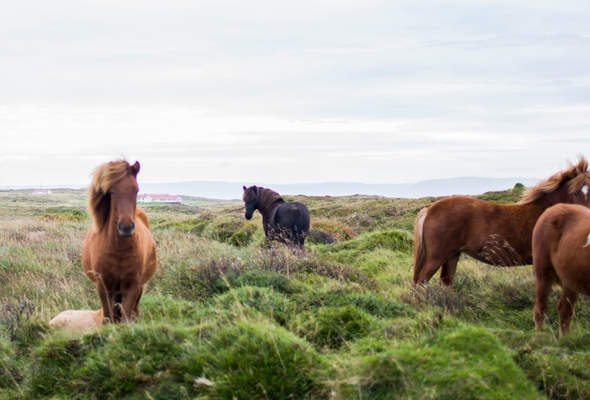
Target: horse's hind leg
x=447, y=274
x=544, y=278
x=428, y=270
x=566, y=309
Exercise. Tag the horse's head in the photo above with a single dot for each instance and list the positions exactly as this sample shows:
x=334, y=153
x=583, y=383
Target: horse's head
x=578, y=190
x=569, y=186
x=250, y=198
x=124, y=201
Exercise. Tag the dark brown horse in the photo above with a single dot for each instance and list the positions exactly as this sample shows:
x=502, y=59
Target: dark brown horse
x=287, y=222
x=497, y=234
x=561, y=254
x=119, y=251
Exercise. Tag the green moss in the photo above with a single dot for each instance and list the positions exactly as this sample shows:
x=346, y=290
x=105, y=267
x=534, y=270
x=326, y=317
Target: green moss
x=373, y=304
x=168, y=308
x=260, y=361
x=333, y=326
x=53, y=365
x=29, y=333
x=559, y=369
x=130, y=357
x=467, y=363
x=275, y=280
x=266, y=301
x=348, y=252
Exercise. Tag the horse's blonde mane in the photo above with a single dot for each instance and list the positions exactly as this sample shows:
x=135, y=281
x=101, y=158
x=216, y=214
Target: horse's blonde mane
x=575, y=177
x=104, y=178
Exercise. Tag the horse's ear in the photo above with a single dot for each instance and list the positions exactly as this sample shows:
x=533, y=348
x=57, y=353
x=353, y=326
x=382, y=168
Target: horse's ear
x=135, y=168
x=244, y=187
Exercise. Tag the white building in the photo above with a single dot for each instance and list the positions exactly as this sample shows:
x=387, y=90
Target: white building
x=158, y=198
x=41, y=191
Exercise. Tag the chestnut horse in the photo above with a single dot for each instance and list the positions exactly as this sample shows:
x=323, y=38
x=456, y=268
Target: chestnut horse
x=561, y=254
x=119, y=251
x=286, y=222
x=497, y=234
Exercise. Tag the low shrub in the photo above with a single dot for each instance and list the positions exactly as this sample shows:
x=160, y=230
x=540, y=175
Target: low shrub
x=243, y=236
x=222, y=229
x=10, y=375
x=335, y=229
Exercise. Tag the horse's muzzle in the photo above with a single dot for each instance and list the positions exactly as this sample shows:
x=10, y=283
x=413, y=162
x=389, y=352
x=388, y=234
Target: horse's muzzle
x=125, y=230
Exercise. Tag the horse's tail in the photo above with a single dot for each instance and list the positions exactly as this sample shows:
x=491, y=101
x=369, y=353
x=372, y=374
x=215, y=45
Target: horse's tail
x=419, y=244
x=300, y=223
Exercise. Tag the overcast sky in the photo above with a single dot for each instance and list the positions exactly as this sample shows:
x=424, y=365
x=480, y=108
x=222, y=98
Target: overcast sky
x=299, y=91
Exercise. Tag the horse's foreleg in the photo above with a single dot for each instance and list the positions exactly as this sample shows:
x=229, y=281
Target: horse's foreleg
x=107, y=305
x=130, y=301
x=566, y=309
x=136, y=308
x=447, y=275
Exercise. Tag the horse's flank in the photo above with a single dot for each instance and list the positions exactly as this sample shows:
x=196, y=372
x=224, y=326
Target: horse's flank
x=561, y=255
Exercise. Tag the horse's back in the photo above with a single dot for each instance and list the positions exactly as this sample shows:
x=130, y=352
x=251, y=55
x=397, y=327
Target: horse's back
x=293, y=215
x=139, y=213
x=147, y=243
x=450, y=216
x=562, y=226
x=89, y=253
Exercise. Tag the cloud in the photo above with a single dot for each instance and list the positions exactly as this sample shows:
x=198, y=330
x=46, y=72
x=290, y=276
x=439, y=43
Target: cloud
x=304, y=91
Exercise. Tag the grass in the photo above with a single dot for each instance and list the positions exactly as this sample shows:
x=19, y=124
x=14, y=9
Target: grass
x=228, y=315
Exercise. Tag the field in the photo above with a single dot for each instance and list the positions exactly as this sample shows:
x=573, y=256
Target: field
x=229, y=316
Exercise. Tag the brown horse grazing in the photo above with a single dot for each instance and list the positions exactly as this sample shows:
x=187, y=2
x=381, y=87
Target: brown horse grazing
x=286, y=222
x=561, y=254
x=119, y=251
x=497, y=234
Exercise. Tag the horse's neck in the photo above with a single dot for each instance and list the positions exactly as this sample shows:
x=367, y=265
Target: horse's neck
x=532, y=211
x=550, y=199
x=268, y=201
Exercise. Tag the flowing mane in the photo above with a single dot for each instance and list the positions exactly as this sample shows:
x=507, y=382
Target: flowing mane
x=268, y=196
x=575, y=177
x=104, y=177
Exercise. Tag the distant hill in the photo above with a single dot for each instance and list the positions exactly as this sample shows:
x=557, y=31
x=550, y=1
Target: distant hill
x=433, y=187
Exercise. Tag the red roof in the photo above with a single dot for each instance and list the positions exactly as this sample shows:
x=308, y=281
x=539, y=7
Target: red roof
x=160, y=196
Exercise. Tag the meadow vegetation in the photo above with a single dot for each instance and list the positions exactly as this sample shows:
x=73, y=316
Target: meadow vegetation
x=228, y=315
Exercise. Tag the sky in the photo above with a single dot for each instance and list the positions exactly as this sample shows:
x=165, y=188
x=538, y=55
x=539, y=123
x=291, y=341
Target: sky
x=290, y=92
